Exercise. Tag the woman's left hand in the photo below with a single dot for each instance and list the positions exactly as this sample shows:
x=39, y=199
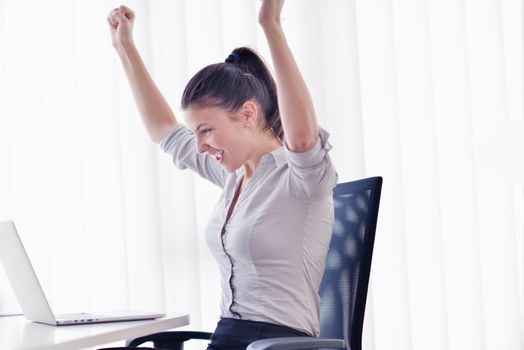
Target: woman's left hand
x=270, y=12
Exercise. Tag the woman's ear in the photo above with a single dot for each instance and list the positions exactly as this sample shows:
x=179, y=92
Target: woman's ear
x=249, y=113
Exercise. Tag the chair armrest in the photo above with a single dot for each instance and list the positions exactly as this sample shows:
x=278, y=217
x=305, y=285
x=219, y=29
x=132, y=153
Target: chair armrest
x=296, y=343
x=165, y=339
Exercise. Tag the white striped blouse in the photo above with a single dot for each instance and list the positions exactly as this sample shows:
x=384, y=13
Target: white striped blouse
x=272, y=253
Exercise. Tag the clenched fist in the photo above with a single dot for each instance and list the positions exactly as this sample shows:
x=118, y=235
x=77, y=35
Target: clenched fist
x=121, y=21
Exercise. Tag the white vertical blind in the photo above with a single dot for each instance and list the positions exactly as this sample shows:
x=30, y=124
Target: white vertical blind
x=419, y=174
x=382, y=155
x=428, y=94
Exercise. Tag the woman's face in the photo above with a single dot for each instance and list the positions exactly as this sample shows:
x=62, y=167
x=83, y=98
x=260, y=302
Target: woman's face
x=219, y=134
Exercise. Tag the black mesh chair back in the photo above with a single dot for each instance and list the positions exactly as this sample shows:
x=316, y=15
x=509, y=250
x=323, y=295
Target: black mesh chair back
x=344, y=286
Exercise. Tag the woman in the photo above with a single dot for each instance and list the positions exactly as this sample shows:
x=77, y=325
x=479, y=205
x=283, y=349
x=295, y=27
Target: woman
x=271, y=228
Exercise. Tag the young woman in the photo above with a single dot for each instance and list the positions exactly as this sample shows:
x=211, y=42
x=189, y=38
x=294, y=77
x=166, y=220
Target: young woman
x=260, y=142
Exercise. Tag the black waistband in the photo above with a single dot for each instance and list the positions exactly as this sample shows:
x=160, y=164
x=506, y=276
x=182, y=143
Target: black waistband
x=277, y=328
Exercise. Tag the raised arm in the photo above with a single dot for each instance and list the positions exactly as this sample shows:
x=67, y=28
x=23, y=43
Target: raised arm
x=156, y=114
x=296, y=107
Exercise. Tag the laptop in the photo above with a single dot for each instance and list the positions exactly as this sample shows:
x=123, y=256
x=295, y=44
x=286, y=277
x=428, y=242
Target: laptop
x=30, y=294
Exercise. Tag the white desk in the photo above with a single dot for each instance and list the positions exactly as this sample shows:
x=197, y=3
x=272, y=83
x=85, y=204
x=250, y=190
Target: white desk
x=16, y=333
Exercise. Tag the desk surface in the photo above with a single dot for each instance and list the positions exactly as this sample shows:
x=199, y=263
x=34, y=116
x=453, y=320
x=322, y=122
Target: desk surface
x=18, y=333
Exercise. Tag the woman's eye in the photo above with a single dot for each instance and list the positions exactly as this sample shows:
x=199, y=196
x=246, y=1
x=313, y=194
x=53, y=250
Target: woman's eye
x=205, y=131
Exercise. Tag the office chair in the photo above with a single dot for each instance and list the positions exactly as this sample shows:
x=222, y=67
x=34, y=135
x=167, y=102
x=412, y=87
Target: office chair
x=344, y=287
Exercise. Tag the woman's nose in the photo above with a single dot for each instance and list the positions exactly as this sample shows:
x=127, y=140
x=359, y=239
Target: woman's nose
x=201, y=146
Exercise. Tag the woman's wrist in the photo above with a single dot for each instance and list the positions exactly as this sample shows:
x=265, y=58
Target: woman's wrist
x=270, y=24
x=123, y=46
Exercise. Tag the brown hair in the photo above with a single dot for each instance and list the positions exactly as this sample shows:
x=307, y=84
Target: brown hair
x=243, y=76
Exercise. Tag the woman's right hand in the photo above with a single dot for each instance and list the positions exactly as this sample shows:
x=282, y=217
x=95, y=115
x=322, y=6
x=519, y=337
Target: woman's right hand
x=121, y=21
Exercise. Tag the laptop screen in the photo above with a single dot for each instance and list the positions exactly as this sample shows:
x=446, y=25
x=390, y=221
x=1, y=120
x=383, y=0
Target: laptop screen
x=22, y=276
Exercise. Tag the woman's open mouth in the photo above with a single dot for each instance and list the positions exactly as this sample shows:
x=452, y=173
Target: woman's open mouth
x=219, y=156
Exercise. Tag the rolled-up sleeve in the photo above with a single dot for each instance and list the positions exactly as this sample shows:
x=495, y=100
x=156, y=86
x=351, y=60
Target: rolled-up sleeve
x=312, y=173
x=181, y=146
